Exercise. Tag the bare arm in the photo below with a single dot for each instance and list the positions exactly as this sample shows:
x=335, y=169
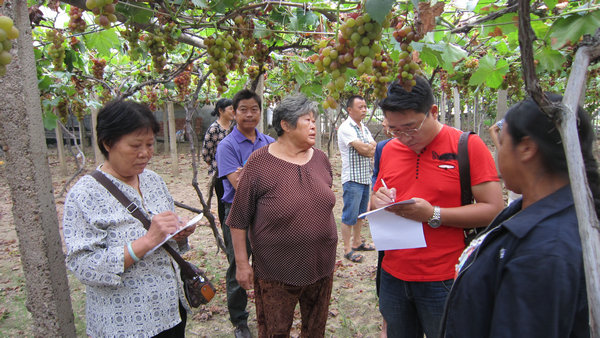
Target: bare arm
x=364, y=149
x=234, y=178
x=243, y=271
x=489, y=203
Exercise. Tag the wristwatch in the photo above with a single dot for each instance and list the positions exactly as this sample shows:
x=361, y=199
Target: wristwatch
x=436, y=219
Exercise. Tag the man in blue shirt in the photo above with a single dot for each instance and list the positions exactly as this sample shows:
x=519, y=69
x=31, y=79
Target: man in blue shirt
x=232, y=153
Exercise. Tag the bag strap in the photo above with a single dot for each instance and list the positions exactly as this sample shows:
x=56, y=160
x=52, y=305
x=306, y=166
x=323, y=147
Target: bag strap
x=133, y=209
x=464, y=168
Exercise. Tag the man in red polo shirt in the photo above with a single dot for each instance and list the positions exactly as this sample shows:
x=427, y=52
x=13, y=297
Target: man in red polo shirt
x=421, y=163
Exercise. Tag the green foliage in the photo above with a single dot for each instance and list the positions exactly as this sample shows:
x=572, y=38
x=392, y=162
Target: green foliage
x=570, y=29
x=378, y=9
x=490, y=72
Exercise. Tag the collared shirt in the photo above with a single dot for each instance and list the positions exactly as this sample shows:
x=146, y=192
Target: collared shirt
x=355, y=167
x=142, y=300
x=525, y=278
x=232, y=153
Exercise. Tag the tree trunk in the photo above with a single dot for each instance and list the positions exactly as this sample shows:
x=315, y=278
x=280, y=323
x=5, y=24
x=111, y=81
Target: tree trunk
x=173, y=139
x=456, y=108
x=30, y=183
x=589, y=227
x=60, y=148
x=98, y=157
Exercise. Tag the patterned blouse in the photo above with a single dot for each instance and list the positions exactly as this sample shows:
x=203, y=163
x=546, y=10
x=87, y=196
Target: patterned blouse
x=142, y=300
x=213, y=136
x=287, y=210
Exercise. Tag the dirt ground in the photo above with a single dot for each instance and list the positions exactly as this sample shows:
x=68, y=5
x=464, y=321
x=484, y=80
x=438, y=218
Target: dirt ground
x=353, y=309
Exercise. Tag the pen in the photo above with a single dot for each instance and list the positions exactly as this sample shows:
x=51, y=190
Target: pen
x=386, y=188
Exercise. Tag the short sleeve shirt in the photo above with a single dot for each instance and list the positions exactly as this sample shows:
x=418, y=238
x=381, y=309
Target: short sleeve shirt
x=432, y=175
x=355, y=167
x=233, y=152
x=288, y=211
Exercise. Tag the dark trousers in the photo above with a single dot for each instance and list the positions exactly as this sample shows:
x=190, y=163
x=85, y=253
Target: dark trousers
x=237, y=299
x=219, y=191
x=276, y=301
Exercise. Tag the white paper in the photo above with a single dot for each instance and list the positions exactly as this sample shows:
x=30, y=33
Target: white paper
x=191, y=222
x=392, y=232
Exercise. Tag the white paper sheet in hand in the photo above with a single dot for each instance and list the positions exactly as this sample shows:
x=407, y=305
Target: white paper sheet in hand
x=189, y=224
x=391, y=232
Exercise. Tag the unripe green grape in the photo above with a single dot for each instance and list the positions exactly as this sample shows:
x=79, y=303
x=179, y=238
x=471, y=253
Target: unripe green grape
x=6, y=23
x=91, y=4
x=5, y=57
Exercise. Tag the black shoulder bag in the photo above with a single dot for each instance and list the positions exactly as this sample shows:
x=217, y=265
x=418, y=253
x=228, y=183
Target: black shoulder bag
x=464, y=170
x=198, y=289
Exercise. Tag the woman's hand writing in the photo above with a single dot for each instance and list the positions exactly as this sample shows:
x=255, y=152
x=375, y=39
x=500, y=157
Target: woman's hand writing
x=162, y=225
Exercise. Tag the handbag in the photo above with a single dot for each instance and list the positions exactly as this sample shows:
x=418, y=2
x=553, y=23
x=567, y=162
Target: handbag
x=198, y=289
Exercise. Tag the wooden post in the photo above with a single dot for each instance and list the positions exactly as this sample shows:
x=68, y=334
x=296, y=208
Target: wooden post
x=260, y=88
x=81, y=136
x=60, y=147
x=442, y=110
x=173, y=139
x=318, y=139
x=502, y=104
x=98, y=157
x=166, y=145
x=456, y=108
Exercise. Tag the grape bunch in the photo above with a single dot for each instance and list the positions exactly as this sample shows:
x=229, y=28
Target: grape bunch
x=77, y=109
x=444, y=84
x=407, y=68
x=151, y=99
x=98, y=68
x=56, y=50
x=158, y=50
x=76, y=22
x=170, y=31
x=182, y=82
x=356, y=47
x=104, y=11
x=62, y=108
x=7, y=32
x=224, y=54
x=472, y=63
x=132, y=35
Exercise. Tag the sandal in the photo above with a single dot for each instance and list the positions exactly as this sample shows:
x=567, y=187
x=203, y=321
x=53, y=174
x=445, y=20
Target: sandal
x=354, y=257
x=364, y=247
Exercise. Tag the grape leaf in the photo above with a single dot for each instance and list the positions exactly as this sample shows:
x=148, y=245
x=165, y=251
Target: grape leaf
x=569, y=29
x=550, y=4
x=103, y=41
x=137, y=13
x=490, y=72
x=378, y=9
x=549, y=60
x=306, y=20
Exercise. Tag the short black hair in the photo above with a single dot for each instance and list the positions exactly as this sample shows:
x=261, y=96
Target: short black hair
x=419, y=99
x=120, y=117
x=221, y=104
x=246, y=94
x=351, y=99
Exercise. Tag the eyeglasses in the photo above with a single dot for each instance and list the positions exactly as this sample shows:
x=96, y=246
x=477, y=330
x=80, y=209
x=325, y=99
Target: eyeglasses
x=408, y=132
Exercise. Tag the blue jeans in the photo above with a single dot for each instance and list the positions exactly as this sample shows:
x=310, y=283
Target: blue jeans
x=412, y=308
x=356, y=200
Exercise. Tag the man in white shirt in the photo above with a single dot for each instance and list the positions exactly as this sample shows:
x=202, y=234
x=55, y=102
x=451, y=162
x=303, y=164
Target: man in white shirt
x=357, y=147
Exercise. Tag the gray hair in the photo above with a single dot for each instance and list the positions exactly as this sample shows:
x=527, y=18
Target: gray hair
x=290, y=109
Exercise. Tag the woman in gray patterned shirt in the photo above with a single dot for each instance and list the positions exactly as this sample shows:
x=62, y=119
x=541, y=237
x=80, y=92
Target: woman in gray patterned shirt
x=131, y=291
